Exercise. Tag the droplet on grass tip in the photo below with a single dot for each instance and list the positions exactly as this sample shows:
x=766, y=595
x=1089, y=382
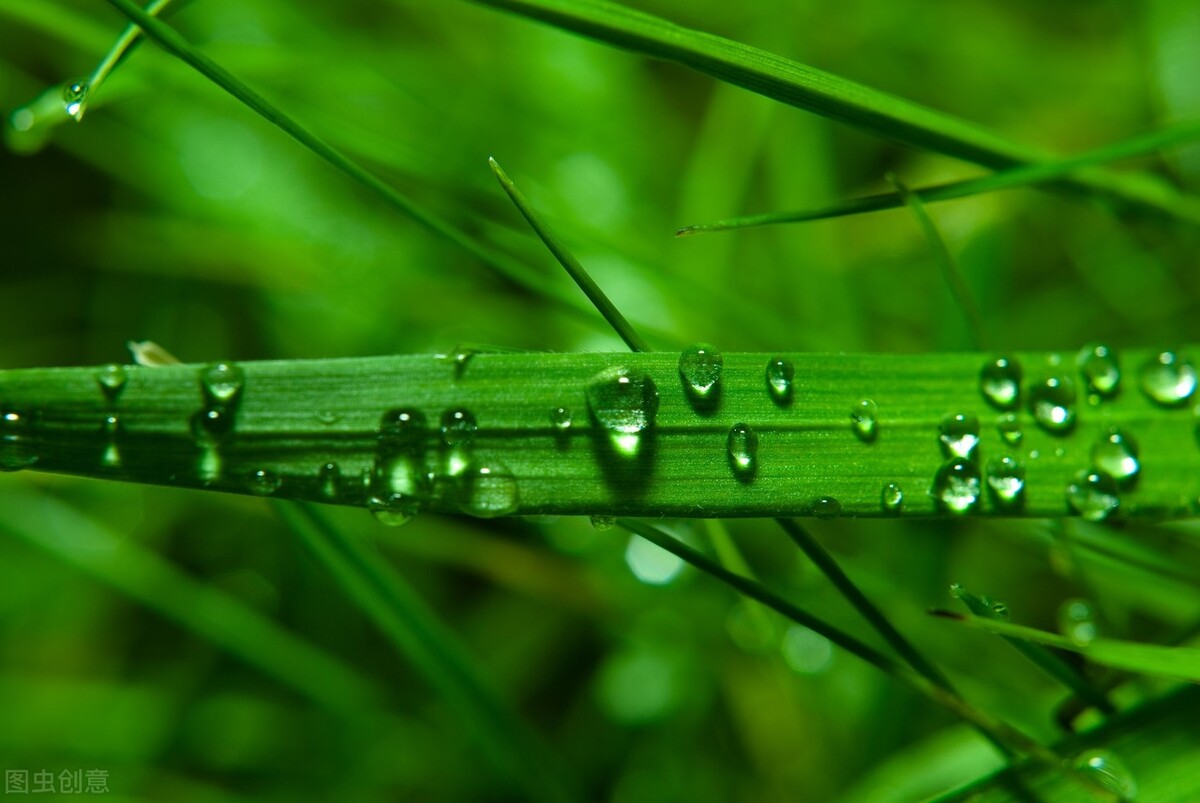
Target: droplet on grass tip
x=1108, y=771
x=1116, y=454
x=75, y=98
x=1100, y=370
x=625, y=404
x=1093, y=495
x=1169, y=378
x=957, y=485
x=1000, y=382
x=892, y=497
x=864, y=418
x=741, y=446
x=111, y=379
x=780, y=376
x=700, y=369
x=959, y=435
x=1006, y=479
x=1052, y=402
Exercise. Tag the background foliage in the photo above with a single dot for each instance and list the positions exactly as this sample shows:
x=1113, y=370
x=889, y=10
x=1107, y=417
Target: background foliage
x=173, y=214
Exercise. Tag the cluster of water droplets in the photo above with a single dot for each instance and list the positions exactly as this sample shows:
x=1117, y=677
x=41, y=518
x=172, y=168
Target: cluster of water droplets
x=221, y=388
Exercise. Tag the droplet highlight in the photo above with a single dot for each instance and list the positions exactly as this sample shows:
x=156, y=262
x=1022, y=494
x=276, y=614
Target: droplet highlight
x=1000, y=382
x=1168, y=378
x=1116, y=454
x=781, y=375
x=458, y=427
x=222, y=384
x=958, y=434
x=1100, y=369
x=1108, y=771
x=1093, y=495
x=826, y=507
x=957, y=486
x=892, y=497
x=560, y=419
x=700, y=369
x=75, y=98
x=1006, y=479
x=624, y=404
x=742, y=449
x=1052, y=402
x=264, y=482
x=864, y=418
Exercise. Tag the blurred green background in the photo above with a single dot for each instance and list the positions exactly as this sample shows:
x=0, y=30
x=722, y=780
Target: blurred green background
x=172, y=213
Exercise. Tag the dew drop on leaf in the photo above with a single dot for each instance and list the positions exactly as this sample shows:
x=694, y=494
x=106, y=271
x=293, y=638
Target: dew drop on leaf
x=781, y=376
x=892, y=497
x=111, y=379
x=826, y=507
x=1093, y=495
x=489, y=491
x=75, y=98
x=1169, y=378
x=1100, y=370
x=957, y=485
x=959, y=435
x=1108, y=771
x=1052, y=402
x=742, y=449
x=222, y=384
x=864, y=418
x=560, y=419
x=1116, y=454
x=602, y=523
x=1000, y=382
x=625, y=404
x=1006, y=479
x=392, y=510
x=458, y=427
x=329, y=480
x=700, y=368
x=110, y=457
x=16, y=452
x=264, y=482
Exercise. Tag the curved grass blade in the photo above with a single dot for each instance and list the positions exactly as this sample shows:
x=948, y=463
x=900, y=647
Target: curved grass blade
x=565, y=258
x=820, y=92
x=1024, y=176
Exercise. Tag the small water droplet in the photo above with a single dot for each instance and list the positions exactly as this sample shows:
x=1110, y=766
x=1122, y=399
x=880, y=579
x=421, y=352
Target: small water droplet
x=957, y=485
x=700, y=368
x=1006, y=479
x=264, y=482
x=222, y=384
x=111, y=379
x=892, y=497
x=211, y=425
x=826, y=507
x=742, y=449
x=1009, y=427
x=328, y=418
x=864, y=418
x=1093, y=495
x=1077, y=621
x=602, y=523
x=1052, y=402
x=458, y=427
x=329, y=480
x=560, y=419
x=393, y=510
x=959, y=435
x=1108, y=771
x=997, y=608
x=1169, y=378
x=1100, y=370
x=111, y=429
x=1000, y=382
x=1116, y=454
x=489, y=491
x=16, y=452
x=780, y=379
x=625, y=404
x=402, y=428
x=75, y=98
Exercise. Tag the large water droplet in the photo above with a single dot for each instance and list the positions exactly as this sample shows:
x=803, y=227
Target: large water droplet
x=111, y=379
x=892, y=497
x=603, y=523
x=402, y=444
x=959, y=435
x=263, y=482
x=957, y=485
x=1009, y=427
x=75, y=98
x=700, y=369
x=1006, y=479
x=780, y=379
x=1108, y=771
x=1077, y=621
x=864, y=418
x=742, y=448
x=1000, y=382
x=1169, y=378
x=16, y=452
x=1052, y=402
x=222, y=384
x=1093, y=495
x=489, y=491
x=625, y=404
x=826, y=507
x=458, y=427
x=1116, y=454
x=1100, y=370
x=392, y=510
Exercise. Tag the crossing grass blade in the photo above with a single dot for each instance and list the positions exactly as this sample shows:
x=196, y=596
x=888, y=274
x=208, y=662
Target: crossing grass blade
x=823, y=93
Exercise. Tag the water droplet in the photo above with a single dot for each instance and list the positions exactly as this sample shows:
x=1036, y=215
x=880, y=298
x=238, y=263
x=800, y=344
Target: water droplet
x=329, y=480
x=1052, y=403
x=458, y=427
x=997, y=608
x=16, y=452
x=827, y=507
x=957, y=485
x=1116, y=454
x=222, y=384
x=208, y=464
x=1006, y=479
x=1000, y=382
x=700, y=368
x=1169, y=378
x=1108, y=771
x=780, y=379
x=1009, y=427
x=111, y=429
x=264, y=482
x=111, y=379
x=625, y=405
x=75, y=98
x=959, y=435
x=560, y=419
x=602, y=523
x=400, y=466
x=392, y=510
x=742, y=448
x=328, y=418
x=1077, y=621
x=892, y=497
x=211, y=425
x=402, y=428
x=1100, y=369
x=1093, y=495
x=490, y=491
x=864, y=417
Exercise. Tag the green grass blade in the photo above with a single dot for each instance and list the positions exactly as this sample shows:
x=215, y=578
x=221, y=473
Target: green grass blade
x=1024, y=176
x=823, y=93
x=293, y=418
x=71, y=537
x=1149, y=659
x=565, y=258
x=433, y=650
